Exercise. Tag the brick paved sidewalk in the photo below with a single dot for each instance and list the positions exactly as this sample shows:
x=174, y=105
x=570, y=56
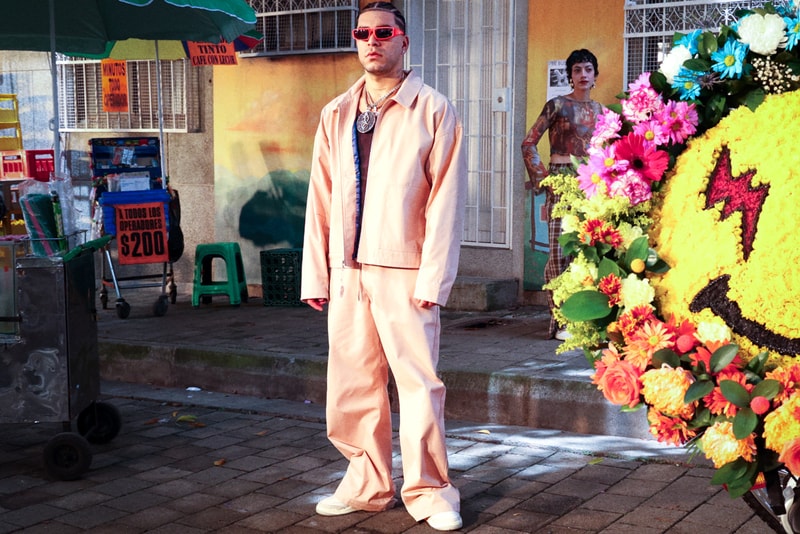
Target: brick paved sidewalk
x=187, y=462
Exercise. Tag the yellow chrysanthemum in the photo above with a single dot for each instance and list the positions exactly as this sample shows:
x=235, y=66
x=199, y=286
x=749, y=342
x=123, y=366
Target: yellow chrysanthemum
x=783, y=425
x=721, y=446
x=664, y=389
x=705, y=243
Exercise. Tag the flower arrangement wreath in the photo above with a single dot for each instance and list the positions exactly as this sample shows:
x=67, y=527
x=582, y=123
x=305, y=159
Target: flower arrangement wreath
x=682, y=290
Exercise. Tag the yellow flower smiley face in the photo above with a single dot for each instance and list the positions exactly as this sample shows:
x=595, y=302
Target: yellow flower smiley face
x=727, y=224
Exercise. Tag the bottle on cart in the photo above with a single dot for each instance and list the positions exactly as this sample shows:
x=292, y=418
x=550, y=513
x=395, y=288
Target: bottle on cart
x=59, y=217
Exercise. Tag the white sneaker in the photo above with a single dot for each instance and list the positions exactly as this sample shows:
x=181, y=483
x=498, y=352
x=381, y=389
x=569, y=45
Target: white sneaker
x=563, y=335
x=331, y=506
x=445, y=521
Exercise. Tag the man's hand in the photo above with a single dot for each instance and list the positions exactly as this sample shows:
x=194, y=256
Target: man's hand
x=317, y=304
x=424, y=303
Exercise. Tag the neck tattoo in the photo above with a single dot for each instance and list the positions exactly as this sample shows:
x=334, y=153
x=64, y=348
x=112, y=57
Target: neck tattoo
x=366, y=120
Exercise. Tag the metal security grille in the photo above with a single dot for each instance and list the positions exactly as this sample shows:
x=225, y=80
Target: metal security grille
x=304, y=26
x=80, y=95
x=650, y=25
x=464, y=48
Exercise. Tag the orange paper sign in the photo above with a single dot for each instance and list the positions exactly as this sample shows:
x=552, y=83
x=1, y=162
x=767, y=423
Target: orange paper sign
x=211, y=54
x=141, y=233
x=115, y=85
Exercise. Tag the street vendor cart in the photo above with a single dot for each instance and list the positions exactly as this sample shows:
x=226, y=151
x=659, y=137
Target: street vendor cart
x=49, y=364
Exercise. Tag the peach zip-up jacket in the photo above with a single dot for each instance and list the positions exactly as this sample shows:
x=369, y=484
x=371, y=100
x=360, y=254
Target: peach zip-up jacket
x=414, y=202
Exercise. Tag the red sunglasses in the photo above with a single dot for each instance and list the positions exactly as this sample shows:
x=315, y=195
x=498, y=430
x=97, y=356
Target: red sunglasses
x=382, y=33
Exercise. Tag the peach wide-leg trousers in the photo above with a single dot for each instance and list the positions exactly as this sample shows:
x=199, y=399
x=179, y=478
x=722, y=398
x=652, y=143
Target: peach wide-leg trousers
x=374, y=326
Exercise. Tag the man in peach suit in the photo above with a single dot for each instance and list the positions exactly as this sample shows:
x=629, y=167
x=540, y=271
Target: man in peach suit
x=382, y=240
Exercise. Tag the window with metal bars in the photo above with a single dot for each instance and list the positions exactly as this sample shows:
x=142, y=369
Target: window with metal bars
x=465, y=49
x=80, y=94
x=650, y=25
x=304, y=26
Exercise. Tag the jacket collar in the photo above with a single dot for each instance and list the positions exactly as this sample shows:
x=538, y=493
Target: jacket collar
x=405, y=95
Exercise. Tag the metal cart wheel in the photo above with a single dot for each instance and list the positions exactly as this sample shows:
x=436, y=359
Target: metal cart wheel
x=161, y=305
x=123, y=309
x=99, y=422
x=67, y=456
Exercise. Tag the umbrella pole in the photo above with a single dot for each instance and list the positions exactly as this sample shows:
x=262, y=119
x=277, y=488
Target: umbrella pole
x=54, y=81
x=159, y=97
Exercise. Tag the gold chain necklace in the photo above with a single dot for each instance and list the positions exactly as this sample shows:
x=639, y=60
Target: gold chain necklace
x=366, y=120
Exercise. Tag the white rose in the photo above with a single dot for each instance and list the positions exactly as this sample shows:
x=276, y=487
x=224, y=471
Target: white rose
x=636, y=291
x=674, y=61
x=763, y=33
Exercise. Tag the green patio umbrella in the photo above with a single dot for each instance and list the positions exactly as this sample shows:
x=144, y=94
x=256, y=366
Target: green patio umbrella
x=87, y=26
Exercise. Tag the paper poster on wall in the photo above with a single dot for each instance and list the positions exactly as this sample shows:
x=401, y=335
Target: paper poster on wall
x=557, y=82
x=115, y=85
x=141, y=233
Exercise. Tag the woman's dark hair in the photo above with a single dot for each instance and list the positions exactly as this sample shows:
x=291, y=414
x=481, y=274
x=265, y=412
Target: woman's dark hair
x=389, y=7
x=581, y=56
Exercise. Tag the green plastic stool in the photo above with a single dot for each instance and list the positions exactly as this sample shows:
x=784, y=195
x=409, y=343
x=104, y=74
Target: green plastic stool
x=235, y=287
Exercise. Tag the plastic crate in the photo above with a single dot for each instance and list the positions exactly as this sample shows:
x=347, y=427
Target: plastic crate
x=280, y=276
x=14, y=164
x=40, y=164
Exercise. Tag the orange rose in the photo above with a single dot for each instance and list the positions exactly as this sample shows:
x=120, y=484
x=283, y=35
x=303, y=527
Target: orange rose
x=791, y=456
x=620, y=383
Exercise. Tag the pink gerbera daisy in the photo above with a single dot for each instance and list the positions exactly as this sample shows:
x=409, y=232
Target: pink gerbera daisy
x=679, y=120
x=642, y=157
x=599, y=170
x=653, y=131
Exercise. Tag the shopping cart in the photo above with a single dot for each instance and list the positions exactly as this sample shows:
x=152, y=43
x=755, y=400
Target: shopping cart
x=139, y=221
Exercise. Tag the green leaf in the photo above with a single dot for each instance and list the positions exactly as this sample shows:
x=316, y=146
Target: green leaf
x=603, y=249
x=659, y=267
x=730, y=472
x=707, y=44
x=628, y=409
x=698, y=390
x=735, y=393
x=742, y=485
x=585, y=306
x=607, y=267
x=744, y=423
x=702, y=419
x=666, y=356
x=723, y=356
x=757, y=363
x=754, y=98
x=766, y=388
x=658, y=81
x=591, y=254
x=697, y=64
x=638, y=250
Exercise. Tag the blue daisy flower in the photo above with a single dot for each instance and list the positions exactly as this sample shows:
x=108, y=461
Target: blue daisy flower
x=687, y=82
x=690, y=41
x=792, y=31
x=729, y=59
